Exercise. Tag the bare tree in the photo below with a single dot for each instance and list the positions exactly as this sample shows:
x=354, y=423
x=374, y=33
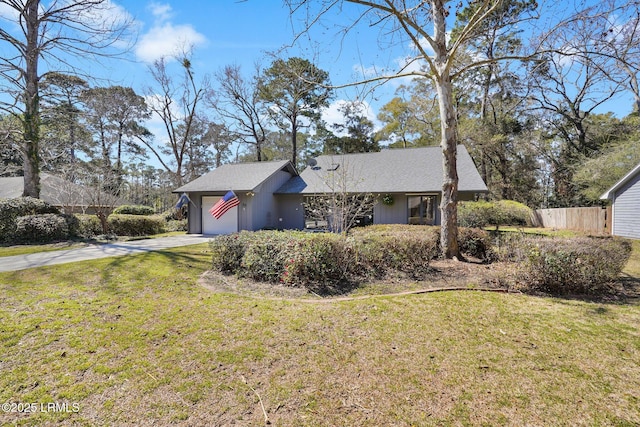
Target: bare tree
x=343, y=205
x=238, y=105
x=425, y=25
x=35, y=33
x=176, y=103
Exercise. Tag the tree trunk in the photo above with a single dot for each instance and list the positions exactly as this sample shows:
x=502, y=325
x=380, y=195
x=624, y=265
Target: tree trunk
x=448, y=142
x=31, y=120
x=449, y=203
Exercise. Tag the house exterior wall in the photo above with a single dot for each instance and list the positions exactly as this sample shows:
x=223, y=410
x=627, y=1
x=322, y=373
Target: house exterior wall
x=397, y=213
x=264, y=204
x=626, y=205
x=290, y=212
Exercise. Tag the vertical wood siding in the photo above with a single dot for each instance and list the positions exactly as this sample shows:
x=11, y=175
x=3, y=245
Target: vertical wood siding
x=626, y=209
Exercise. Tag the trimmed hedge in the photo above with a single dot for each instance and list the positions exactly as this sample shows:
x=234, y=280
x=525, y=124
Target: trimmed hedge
x=89, y=226
x=12, y=209
x=134, y=210
x=322, y=261
x=581, y=265
x=135, y=225
x=503, y=212
x=41, y=228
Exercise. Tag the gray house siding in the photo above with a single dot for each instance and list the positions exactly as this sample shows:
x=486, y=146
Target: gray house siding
x=290, y=212
x=195, y=214
x=397, y=213
x=264, y=205
x=626, y=208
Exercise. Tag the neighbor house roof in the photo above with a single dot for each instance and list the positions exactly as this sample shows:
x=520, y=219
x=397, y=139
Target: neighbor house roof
x=411, y=170
x=237, y=177
x=56, y=191
x=610, y=192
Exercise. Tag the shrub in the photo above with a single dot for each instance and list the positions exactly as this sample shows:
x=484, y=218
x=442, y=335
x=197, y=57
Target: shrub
x=323, y=260
x=228, y=250
x=135, y=225
x=73, y=225
x=90, y=225
x=11, y=209
x=42, y=228
x=581, y=265
x=407, y=249
x=475, y=242
x=318, y=260
x=504, y=212
x=134, y=210
x=176, y=225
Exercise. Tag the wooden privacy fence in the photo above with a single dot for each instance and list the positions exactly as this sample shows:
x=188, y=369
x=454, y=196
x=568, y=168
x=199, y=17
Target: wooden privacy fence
x=595, y=220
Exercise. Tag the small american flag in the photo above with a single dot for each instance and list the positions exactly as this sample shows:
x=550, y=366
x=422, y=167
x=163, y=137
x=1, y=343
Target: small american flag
x=221, y=207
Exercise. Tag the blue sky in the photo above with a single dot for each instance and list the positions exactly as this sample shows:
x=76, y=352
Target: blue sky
x=226, y=32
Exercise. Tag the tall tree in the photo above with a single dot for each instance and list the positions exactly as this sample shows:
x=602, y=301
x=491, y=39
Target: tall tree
x=425, y=25
x=354, y=135
x=295, y=89
x=238, y=104
x=177, y=103
x=115, y=115
x=64, y=134
x=36, y=33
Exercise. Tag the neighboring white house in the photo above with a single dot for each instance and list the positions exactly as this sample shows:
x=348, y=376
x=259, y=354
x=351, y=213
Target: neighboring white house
x=625, y=201
x=272, y=194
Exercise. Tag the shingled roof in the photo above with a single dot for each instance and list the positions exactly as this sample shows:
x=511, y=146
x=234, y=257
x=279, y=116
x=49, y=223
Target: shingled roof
x=56, y=191
x=237, y=177
x=411, y=170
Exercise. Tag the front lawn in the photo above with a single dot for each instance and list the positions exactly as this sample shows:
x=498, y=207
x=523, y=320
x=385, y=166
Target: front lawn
x=135, y=340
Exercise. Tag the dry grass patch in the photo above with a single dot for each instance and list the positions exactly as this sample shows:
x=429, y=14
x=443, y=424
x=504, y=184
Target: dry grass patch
x=135, y=340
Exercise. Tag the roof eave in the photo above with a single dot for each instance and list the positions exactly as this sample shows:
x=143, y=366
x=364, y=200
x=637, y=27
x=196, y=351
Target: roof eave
x=608, y=195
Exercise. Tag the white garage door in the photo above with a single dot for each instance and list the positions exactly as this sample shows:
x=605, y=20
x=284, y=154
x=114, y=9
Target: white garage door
x=228, y=223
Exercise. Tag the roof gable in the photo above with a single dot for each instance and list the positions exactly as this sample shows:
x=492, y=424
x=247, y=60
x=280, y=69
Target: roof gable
x=610, y=192
x=237, y=177
x=410, y=170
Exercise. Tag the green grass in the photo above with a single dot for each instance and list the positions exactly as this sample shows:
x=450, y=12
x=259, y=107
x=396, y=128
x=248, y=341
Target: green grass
x=135, y=340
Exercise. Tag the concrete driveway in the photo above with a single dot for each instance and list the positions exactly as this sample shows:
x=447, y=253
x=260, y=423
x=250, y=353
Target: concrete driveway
x=21, y=262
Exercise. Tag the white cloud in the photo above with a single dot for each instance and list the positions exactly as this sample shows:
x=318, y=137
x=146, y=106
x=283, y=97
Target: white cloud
x=161, y=11
x=166, y=39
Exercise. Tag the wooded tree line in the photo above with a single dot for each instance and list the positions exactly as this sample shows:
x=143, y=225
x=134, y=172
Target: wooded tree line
x=526, y=104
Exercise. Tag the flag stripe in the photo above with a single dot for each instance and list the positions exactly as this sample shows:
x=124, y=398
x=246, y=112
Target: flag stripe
x=227, y=202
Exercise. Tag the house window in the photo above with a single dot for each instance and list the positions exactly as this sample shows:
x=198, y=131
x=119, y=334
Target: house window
x=422, y=210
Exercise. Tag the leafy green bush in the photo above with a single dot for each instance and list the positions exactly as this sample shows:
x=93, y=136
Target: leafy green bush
x=318, y=260
x=41, y=228
x=325, y=262
x=89, y=226
x=12, y=209
x=504, y=212
x=228, y=250
x=73, y=225
x=581, y=265
x=134, y=210
x=176, y=225
x=264, y=256
x=407, y=249
x=135, y=225
x=475, y=242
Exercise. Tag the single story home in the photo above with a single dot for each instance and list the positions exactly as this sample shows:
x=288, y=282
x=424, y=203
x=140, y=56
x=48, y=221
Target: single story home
x=62, y=193
x=272, y=194
x=625, y=201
